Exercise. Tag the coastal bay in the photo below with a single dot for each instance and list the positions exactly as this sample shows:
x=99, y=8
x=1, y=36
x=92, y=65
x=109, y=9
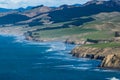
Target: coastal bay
x=30, y=60
x=63, y=42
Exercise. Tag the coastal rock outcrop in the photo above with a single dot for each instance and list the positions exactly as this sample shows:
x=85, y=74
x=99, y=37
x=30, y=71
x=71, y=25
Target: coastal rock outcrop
x=110, y=56
x=111, y=61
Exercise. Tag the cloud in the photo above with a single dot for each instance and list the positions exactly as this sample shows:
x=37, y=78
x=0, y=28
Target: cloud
x=25, y=3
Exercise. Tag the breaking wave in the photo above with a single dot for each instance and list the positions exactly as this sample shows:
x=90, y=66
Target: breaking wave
x=113, y=78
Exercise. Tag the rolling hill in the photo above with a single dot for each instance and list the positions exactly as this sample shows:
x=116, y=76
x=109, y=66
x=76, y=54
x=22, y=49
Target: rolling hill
x=41, y=15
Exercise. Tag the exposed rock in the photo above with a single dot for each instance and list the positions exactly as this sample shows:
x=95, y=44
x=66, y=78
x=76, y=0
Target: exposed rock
x=109, y=3
x=87, y=52
x=29, y=38
x=37, y=10
x=95, y=2
x=111, y=61
x=66, y=6
x=110, y=56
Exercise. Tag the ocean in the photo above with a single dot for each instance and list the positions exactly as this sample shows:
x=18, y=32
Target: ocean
x=25, y=60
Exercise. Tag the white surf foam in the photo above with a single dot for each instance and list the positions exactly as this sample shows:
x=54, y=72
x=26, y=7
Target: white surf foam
x=113, y=78
x=49, y=50
x=105, y=70
x=38, y=63
x=65, y=66
x=19, y=39
x=67, y=58
x=56, y=46
x=73, y=67
x=87, y=65
x=98, y=70
x=8, y=35
x=81, y=68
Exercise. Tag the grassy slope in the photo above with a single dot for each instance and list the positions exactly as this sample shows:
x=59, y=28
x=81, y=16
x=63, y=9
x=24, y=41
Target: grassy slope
x=102, y=28
x=104, y=45
x=105, y=23
x=63, y=32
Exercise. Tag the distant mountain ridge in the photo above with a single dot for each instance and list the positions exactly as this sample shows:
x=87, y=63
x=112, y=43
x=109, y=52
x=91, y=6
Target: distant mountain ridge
x=5, y=10
x=40, y=15
x=105, y=2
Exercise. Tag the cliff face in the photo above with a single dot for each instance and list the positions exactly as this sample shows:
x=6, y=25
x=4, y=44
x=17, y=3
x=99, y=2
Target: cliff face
x=111, y=61
x=110, y=56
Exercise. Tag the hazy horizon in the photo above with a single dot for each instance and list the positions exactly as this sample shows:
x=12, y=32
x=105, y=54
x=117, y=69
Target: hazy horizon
x=12, y=4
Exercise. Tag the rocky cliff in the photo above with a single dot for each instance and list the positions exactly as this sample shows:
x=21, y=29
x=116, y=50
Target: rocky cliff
x=111, y=61
x=110, y=56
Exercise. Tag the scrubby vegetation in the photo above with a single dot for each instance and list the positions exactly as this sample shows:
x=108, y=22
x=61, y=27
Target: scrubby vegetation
x=103, y=27
x=104, y=45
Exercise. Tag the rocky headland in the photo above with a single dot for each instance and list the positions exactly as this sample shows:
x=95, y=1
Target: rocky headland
x=110, y=56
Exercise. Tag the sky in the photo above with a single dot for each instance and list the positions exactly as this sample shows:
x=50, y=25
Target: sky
x=24, y=3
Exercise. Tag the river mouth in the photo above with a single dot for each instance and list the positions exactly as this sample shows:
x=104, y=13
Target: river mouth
x=25, y=60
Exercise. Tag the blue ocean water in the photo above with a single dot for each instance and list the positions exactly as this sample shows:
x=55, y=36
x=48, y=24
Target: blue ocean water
x=23, y=60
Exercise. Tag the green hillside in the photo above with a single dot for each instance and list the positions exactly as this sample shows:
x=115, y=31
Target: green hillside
x=103, y=27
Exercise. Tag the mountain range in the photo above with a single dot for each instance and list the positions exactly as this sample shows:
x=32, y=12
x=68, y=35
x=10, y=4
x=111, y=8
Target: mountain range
x=40, y=15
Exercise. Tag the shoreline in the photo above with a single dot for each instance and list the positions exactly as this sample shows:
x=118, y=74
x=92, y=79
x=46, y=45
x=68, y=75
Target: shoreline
x=11, y=31
x=110, y=57
x=18, y=33
x=16, y=36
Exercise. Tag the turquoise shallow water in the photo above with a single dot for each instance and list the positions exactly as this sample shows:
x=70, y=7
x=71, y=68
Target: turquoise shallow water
x=23, y=60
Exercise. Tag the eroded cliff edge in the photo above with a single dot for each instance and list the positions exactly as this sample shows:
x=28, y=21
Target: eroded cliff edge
x=110, y=56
